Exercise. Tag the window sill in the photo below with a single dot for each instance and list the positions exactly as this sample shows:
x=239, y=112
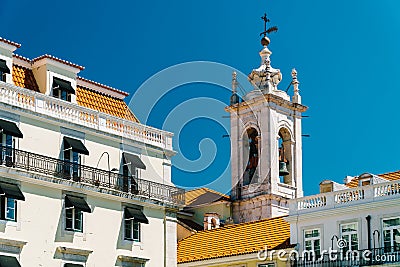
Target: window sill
x=8, y=222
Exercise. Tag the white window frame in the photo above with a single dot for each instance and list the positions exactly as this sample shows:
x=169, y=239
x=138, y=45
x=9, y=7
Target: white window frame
x=139, y=230
x=313, y=239
x=349, y=235
x=73, y=229
x=6, y=209
x=271, y=264
x=390, y=228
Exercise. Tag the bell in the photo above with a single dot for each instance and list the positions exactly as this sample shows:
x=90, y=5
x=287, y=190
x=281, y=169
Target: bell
x=282, y=169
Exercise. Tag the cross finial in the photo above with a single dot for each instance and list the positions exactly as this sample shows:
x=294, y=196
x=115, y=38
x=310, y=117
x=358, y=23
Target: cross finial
x=266, y=20
x=269, y=30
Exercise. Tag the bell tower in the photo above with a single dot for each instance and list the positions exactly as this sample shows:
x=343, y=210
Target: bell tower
x=266, y=145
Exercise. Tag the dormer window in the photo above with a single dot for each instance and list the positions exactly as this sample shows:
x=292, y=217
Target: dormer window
x=4, y=70
x=62, y=89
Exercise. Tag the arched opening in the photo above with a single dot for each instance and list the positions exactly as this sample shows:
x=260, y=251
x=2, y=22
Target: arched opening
x=285, y=156
x=250, y=156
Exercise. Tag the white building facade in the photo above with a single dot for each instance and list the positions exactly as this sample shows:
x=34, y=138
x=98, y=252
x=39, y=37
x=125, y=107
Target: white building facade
x=79, y=186
x=356, y=225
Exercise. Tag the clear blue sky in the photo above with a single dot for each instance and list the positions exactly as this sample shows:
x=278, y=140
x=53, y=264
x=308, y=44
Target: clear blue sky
x=346, y=53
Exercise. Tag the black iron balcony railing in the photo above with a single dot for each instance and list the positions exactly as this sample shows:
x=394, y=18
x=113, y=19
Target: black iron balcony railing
x=32, y=162
x=387, y=256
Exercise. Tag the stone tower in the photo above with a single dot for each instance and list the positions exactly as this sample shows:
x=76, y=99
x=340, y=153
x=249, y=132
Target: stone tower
x=266, y=144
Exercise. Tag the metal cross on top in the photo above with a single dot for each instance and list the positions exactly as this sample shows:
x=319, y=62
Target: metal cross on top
x=269, y=30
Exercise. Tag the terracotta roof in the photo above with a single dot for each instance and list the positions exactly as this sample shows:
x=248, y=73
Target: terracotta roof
x=202, y=196
x=23, y=77
x=59, y=60
x=17, y=45
x=390, y=176
x=235, y=239
x=103, y=85
x=103, y=103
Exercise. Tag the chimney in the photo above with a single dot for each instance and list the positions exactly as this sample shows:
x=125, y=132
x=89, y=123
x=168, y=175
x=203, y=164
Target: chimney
x=211, y=221
x=348, y=179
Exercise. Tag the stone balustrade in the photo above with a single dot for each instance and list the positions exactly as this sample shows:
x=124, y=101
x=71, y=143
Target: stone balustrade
x=71, y=112
x=340, y=198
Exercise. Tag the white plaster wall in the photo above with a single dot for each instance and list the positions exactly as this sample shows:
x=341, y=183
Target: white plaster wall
x=41, y=225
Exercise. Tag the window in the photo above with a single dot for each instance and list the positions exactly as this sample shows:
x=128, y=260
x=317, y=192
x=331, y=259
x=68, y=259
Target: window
x=10, y=193
x=72, y=265
x=391, y=234
x=349, y=233
x=132, y=230
x=7, y=143
x=73, y=149
x=74, y=208
x=8, y=130
x=74, y=159
x=2, y=76
x=62, y=89
x=133, y=217
x=131, y=165
x=4, y=70
x=312, y=241
x=267, y=265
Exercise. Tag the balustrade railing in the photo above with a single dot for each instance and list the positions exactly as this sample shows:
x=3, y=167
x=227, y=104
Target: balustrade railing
x=32, y=162
x=346, y=197
x=57, y=108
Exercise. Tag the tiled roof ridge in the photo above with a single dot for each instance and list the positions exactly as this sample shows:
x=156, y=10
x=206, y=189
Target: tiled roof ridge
x=387, y=173
x=59, y=60
x=209, y=190
x=382, y=175
x=22, y=58
x=17, y=45
x=230, y=226
x=102, y=85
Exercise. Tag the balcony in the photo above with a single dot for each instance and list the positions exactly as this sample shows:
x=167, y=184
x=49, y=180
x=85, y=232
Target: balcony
x=342, y=198
x=59, y=109
x=374, y=257
x=35, y=163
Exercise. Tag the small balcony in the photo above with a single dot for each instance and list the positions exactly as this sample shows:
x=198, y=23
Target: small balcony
x=388, y=256
x=35, y=163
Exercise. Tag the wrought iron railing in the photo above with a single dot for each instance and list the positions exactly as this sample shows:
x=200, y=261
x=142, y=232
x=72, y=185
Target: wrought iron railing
x=379, y=256
x=32, y=162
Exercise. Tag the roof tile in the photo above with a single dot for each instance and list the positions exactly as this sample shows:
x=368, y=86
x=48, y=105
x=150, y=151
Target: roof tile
x=235, y=239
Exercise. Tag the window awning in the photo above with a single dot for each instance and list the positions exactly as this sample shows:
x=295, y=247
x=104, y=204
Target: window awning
x=133, y=160
x=3, y=66
x=76, y=145
x=72, y=265
x=9, y=261
x=62, y=84
x=10, y=128
x=136, y=215
x=78, y=203
x=11, y=191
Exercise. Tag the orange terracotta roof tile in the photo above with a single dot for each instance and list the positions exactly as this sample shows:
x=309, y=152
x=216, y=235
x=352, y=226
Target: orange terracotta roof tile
x=103, y=103
x=24, y=78
x=235, y=239
x=194, y=195
x=390, y=176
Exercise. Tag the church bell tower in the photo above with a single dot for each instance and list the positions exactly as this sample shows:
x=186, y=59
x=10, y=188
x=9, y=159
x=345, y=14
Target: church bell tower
x=266, y=145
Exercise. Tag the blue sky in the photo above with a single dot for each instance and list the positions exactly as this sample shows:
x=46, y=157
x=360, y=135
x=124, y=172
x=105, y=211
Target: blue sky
x=346, y=54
